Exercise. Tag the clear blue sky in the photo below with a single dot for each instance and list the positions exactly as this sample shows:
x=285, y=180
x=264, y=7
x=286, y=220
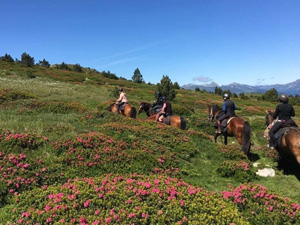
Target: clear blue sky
x=192, y=41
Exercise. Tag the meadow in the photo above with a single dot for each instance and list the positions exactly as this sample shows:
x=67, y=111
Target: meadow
x=64, y=159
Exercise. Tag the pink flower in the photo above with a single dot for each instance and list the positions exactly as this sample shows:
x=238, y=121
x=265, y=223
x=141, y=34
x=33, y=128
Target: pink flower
x=47, y=208
x=131, y=215
x=97, y=212
x=160, y=212
x=48, y=220
x=86, y=204
x=144, y=215
x=107, y=220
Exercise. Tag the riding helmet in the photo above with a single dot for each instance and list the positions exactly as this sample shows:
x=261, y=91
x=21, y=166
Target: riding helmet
x=226, y=96
x=283, y=98
x=163, y=98
x=121, y=89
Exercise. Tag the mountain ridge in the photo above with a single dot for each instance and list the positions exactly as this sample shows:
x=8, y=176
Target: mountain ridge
x=292, y=88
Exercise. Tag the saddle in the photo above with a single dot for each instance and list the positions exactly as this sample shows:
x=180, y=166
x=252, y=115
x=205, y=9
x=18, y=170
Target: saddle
x=122, y=107
x=166, y=120
x=224, y=124
x=279, y=135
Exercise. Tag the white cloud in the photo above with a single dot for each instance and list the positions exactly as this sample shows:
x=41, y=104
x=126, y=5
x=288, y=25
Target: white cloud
x=202, y=79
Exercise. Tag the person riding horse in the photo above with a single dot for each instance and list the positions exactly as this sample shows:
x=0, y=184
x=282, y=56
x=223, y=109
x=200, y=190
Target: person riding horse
x=157, y=105
x=228, y=108
x=284, y=111
x=165, y=111
x=122, y=100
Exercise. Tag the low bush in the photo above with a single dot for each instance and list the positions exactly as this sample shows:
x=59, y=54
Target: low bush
x=261, y=206
x=115, y=199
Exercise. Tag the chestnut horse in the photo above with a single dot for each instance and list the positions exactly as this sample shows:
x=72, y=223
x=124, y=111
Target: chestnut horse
x=290, y=142
x=237, y=127
x=147, y=107
x=129, y=110
x=175, y=121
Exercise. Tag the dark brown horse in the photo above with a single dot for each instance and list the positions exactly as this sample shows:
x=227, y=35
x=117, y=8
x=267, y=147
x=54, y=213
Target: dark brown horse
x=128, y=111
x=237, y=127
x=290, y=142
x=175, y=121
x=147, y=107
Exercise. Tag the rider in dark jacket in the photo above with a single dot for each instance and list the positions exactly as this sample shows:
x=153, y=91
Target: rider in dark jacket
x=284, y=111
x=228, y=108
x=157, y=105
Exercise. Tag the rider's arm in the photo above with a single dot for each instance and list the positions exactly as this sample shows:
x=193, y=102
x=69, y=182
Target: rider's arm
x=276, y=112
x=234, y=107
x=293, y=112
x=163, y=108
x=224, y=107
x=120, y=98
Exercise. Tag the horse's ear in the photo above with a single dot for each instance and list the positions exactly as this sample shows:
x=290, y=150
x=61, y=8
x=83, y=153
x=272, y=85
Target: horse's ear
x=267, y=111
x=208, y=106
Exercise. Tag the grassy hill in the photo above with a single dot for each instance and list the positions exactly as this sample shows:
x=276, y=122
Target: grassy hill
x=65, y=159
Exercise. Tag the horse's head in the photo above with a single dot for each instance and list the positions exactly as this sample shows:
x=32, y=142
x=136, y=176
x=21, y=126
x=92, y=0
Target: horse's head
x=212, y=111
x=144, y=106
x=269, y=122
x=269, y=117
x=141, y=107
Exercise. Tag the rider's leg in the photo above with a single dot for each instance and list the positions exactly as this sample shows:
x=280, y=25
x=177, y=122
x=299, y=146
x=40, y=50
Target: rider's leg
x=219, y=126
x=272, y=132
x=160, y=119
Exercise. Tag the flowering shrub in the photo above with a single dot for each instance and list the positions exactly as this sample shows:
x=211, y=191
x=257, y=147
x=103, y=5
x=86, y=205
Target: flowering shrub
x=95, y=153
x=261, y=206
x=9, y=141
x=114, y=199
x=238, y=166
x=18, y=173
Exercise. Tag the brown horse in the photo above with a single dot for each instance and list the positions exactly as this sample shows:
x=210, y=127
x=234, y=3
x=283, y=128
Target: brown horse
x=128, y=111
x=237, y=127
x=147, y=107
x=290, y=142
x=175, y=121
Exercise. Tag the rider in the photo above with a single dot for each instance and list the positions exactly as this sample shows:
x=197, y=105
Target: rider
x=158, y=103
x=284, y=111
x=165, y=111
x=122, y=100
x=228, y=108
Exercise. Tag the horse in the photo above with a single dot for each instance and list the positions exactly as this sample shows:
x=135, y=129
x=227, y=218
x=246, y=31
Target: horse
x=175, y=121
x=128, y=111
x=147, y=107
x=290, y=141
x=237, y=127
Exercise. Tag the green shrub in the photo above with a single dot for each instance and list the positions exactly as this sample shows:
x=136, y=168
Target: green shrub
x=114, y=199
x=261, y=206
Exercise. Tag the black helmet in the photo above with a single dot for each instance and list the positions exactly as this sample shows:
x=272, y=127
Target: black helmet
x=121, y=89
x=163, y=98
x=226, y=96
x=283, y=98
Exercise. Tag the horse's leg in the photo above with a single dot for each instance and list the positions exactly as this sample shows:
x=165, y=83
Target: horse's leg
x=225, y=139
x=216, y=137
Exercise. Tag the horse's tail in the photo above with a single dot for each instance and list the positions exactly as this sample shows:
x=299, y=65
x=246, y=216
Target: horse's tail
x=183, y=123
x=246, y=142
x=133, y=112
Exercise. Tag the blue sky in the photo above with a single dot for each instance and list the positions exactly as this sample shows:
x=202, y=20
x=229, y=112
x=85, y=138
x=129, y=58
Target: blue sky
x=192, y=41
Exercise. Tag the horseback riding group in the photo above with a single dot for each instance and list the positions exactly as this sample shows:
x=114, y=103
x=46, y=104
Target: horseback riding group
x=280, y=126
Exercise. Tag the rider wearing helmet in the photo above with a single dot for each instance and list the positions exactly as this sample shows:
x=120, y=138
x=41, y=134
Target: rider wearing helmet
x=158, y=103
x=284, y=111
x=122, y=100
x=165, y=111
x=228, y=108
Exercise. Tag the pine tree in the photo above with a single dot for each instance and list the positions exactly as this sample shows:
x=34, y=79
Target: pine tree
x=27, y=60
x=166, y=88
x=137, y=76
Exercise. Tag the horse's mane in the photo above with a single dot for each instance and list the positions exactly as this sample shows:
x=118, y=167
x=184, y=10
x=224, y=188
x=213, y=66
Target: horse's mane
x=215, y=108
x=109, y=107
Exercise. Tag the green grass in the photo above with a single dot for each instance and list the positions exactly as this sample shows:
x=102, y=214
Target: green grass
x=201, y=170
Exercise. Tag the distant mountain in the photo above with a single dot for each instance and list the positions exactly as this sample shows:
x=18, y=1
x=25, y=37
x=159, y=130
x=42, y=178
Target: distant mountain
x=292, y=88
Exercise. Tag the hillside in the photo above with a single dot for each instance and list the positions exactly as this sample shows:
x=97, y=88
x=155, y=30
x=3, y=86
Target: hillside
x=64, y=159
